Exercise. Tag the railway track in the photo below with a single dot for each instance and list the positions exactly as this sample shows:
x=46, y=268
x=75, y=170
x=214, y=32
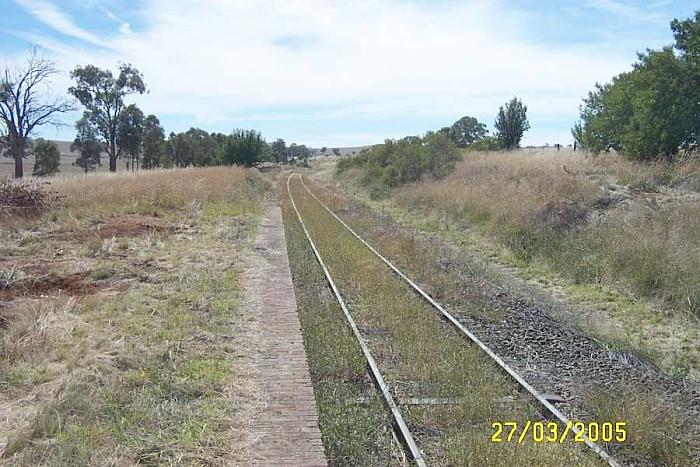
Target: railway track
x=401, y=427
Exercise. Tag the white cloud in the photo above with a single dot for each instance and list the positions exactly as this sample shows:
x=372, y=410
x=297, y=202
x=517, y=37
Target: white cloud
x=631, y=12
x=217, y=61
x=56, y=19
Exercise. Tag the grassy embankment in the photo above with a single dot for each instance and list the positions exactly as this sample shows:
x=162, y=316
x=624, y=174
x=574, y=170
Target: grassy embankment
x=658, y=431
x=401, y=331
x=618, y=235
x=119, y=320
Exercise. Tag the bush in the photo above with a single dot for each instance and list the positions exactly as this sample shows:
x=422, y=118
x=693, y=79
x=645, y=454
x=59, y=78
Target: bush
x=487, y=143
x=397, y=162
x=653, y=109
x=22, y=198
x=48, y=158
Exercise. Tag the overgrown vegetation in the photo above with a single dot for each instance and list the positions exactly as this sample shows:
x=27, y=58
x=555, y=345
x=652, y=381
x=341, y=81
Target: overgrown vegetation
x=355, y=426
x=472, y=290
x=420, y=357
x=588, y=227
x=23, y=198
x=132, y=361
x=397, y=162
x=653, y=110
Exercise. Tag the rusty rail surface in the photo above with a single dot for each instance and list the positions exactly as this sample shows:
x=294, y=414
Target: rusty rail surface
x=402, y=429
x=600, y=451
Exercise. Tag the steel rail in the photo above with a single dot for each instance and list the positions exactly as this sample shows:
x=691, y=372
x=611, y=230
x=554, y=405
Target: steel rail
x=533, y=392
x=404, y=432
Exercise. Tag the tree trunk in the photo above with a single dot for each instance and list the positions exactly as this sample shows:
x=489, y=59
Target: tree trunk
x=19, y=156
x=112, y=153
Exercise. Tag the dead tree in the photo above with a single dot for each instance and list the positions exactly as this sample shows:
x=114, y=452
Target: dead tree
x=22, y=108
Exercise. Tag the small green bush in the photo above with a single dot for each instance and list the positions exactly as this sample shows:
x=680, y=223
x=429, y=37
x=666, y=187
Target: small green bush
x=487, y=143
x=397, y=162
x=47, y=158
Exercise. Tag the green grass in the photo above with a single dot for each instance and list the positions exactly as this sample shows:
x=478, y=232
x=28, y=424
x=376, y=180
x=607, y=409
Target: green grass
x=354, y=424
x=422, y=357
x=144, y=374
x=456, y=281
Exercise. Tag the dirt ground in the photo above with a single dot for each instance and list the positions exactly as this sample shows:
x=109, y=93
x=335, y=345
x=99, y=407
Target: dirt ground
x=121, y=324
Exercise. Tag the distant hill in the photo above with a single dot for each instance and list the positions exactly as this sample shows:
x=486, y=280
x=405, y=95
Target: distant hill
x=7, y=165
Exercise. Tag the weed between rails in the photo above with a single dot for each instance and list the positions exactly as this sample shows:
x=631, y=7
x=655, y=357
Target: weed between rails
x=420, y=356
x=468, y=288
x=356, y=428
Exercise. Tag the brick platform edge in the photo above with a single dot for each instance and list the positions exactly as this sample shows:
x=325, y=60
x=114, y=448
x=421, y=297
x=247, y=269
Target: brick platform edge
x=286, y=430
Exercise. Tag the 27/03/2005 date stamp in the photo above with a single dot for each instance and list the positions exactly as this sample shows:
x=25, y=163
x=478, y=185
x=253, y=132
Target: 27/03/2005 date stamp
x=552, y=432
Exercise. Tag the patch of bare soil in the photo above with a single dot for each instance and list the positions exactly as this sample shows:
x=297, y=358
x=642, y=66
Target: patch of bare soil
x=130, y=225
x=72, y=284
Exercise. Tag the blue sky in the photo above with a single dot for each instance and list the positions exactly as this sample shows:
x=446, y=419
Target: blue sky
x=343, y=73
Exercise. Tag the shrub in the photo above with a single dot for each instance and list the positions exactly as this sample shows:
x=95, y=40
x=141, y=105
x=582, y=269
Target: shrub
x=487, y=143
x=397, y=162
x=48, y=158
x=24, y=198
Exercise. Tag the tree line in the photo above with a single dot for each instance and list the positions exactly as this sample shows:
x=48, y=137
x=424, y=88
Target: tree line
x=110, y=125
x=511, y=124
x=653, y=110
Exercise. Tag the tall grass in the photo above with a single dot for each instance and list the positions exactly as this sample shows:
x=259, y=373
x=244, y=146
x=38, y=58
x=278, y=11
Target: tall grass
x=146, y=370
x=593, y=220
x=146, y=191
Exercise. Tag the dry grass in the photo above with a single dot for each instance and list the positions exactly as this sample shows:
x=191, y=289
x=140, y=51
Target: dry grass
x=146, y=191
x=683, y=174
x=421, y=357
x=136, y=364
x=620, y=238
x=587, y=218
x=468, y=286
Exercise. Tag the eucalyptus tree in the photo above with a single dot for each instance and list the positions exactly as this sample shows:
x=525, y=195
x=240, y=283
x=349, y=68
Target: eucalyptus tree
x=88, y=145
x=153, y=143
x=102, y=94
x=278, y=151
x=130, y=134
x=465, y=131
x=246, y=147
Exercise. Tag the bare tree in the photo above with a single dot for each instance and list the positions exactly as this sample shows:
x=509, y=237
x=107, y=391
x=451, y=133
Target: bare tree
x=22, y=108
